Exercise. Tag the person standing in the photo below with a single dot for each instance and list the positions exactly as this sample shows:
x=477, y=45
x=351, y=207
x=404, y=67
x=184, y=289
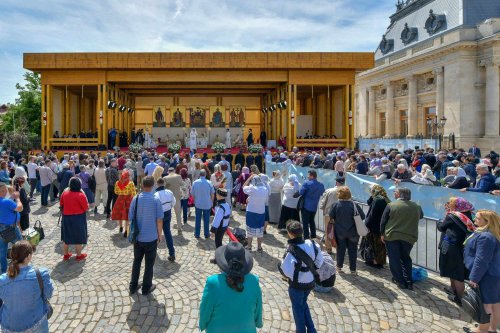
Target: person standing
x=74, y=206
x=84, y=177
x=150, y=224
x=328, y=199
x=125, y=190
x=150, y=167
x=249, y=138
x=311, y=191
x=112, y=177
x=174, y=183
x=9, y=209
x=289, y=202
x=482, y=259
x=454, y=229
x=376, y=249
x=185, y=194
x=399, y=230
x=18, y=184
x=275, y=186
x=301, y=261
x=485, y=183
x=255, y=215
x=474, y=150
x=45, y=181
x=232, y=300
x=221, y=218
x=228, y=181
x=101, y=193
x=29, y=312
x=168, y=201
x=203, y=195
x=32, y=169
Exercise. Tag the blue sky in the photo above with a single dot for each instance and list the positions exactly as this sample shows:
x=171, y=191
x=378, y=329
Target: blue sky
x=183, y=25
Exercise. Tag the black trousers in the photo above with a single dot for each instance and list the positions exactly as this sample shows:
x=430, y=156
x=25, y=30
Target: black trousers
x=148, y=251
x=32, y=182
x=308, y=223
x=111, y=199
x=219, y=235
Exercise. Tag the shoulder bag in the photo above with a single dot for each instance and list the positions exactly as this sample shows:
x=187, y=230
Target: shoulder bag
x=50, y=310
x=360, y=226
x=134, y=228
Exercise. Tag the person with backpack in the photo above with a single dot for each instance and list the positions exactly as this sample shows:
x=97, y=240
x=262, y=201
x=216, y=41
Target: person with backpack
x=299, y=267
x=168, y=201
x=221, y=218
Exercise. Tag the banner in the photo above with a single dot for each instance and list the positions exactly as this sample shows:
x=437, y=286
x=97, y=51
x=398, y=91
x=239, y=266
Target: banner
x=430, y=198
x=400, y=144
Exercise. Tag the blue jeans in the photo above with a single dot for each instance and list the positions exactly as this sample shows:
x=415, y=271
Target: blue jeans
x=167, y=217
x=400, y=262
x=301, y=313
x=184, y=205
x=206, y=222
x=4, y=247
x=45, y=195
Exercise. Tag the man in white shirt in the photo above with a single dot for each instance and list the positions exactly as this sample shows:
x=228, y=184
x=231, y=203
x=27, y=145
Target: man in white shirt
x=101, y=188
x=308, y=253
x=32, y=168
x=168, y=201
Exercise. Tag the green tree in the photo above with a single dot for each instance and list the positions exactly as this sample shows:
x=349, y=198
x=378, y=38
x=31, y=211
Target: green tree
x=23, y=117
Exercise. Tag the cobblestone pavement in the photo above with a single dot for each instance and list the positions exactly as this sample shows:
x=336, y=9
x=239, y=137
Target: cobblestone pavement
x=92, y=296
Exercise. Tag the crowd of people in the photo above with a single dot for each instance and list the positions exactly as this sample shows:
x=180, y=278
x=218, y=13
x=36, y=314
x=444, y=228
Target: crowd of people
x=140, y=190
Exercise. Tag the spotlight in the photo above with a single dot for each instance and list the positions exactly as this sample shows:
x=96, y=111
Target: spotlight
x=111, y=104
x=122, y=108
x=282, y=105
x=273, y=107
x=129, y=110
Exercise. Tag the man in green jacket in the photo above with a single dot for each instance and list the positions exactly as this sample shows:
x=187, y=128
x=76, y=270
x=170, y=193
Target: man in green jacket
x=399, y=230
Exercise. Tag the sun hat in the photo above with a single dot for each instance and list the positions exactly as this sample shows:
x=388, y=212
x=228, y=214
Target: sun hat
x=234, y=260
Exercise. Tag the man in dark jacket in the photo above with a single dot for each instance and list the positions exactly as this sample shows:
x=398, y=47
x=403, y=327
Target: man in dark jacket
x=486, y=183
x=312, y=190
x=258, y=161
x=240, y=159
x=250, y=160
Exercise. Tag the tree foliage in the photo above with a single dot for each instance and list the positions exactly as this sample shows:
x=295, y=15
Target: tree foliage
x=23, y=117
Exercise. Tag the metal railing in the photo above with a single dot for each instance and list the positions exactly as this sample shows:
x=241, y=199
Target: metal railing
x=425, y=252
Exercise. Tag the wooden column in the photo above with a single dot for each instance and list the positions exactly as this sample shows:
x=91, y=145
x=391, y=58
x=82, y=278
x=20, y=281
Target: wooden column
x=351, y=111
x=296, y=112
x=67, y=111
x=346, y=114
x=44, y=131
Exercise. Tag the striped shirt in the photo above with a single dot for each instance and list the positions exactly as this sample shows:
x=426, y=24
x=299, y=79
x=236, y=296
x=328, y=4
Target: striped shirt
x=148, y=212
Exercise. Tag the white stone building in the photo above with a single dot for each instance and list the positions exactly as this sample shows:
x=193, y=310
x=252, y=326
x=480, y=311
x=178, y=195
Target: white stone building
x=438, y=59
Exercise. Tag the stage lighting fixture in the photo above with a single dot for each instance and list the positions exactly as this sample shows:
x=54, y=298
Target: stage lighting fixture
x=122, y=108
x=282, y=105
x=111, y=104
x=129, y=110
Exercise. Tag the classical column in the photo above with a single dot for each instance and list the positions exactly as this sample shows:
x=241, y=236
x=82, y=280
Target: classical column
x=492, y=114
x=439, y=75
x=390, y=117
x=412, y=107
x=371, y=118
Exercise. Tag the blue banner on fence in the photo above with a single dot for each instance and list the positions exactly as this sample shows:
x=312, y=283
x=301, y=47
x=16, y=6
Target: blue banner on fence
x=431, y=198
x=400, y=144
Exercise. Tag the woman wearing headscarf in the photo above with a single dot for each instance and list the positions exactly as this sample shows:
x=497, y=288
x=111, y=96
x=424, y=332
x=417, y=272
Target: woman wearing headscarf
x=74, y=205
x=454, y=229
x=20, y=172
x=289, y=209
x=241, y=197
x=232, y=300
x=125, y=190
x=276, y=185
x=185, y=193
x=255, y=215
x=374, y=248
x=23, y=197
x=482, y=260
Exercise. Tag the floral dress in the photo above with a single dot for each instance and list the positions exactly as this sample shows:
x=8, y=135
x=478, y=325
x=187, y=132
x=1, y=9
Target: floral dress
x=122, y=205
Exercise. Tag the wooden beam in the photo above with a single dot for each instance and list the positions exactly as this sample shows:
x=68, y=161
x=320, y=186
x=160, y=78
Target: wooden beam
x=194, y=85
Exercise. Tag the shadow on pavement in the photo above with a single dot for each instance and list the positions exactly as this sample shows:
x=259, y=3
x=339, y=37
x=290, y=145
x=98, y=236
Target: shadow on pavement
x=334, y=296
x=147, y=315
x=266, y=261
x=375, y=289
x=65, y=271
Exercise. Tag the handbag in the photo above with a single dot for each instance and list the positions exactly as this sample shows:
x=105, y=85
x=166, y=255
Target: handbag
x=473, y=305
x=32, y=236
x=191, y=201
x=360, y=226
x=38, y=227
x=50, y=310
x=134, y=228
x=9, y=234
x=300, y=203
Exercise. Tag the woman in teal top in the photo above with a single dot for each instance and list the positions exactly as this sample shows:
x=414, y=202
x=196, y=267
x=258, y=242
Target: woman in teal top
x=232, y=300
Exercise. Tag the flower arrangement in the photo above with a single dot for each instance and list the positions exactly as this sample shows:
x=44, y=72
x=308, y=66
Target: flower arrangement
x=135, y=147
x=174, y=148
x=255, y=148
x=219, y=147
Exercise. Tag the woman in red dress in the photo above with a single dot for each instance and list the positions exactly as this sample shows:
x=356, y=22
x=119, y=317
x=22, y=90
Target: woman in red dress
x=125, y=190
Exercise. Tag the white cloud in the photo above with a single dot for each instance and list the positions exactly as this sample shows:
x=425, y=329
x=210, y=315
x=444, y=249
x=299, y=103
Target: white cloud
x=183, y=25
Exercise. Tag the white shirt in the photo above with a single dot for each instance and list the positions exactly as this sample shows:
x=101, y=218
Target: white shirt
x=167, y=199
x=32, y=167
x=288, y=264
x=219, y=215
x=257, y=198
x=288, y=199
x=276, y=185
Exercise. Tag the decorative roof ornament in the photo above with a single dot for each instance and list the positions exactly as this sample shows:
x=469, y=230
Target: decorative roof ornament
x=386, y=45
x=434, y=23
x=408, y=34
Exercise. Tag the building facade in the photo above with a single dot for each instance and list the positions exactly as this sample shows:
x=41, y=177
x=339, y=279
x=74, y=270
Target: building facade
x=436, y=73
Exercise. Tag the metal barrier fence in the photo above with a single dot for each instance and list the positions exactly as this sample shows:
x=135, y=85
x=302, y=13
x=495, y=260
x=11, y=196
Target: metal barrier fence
x=425, y=252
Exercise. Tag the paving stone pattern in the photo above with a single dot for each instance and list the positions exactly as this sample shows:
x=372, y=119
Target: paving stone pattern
x=92, y=296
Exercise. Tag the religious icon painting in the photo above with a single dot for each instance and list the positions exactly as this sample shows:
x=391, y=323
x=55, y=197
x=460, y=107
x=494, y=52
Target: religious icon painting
x=237, y=116
x=159, y=116
x=217, y=116
x=178, y=116
x=197, y=116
